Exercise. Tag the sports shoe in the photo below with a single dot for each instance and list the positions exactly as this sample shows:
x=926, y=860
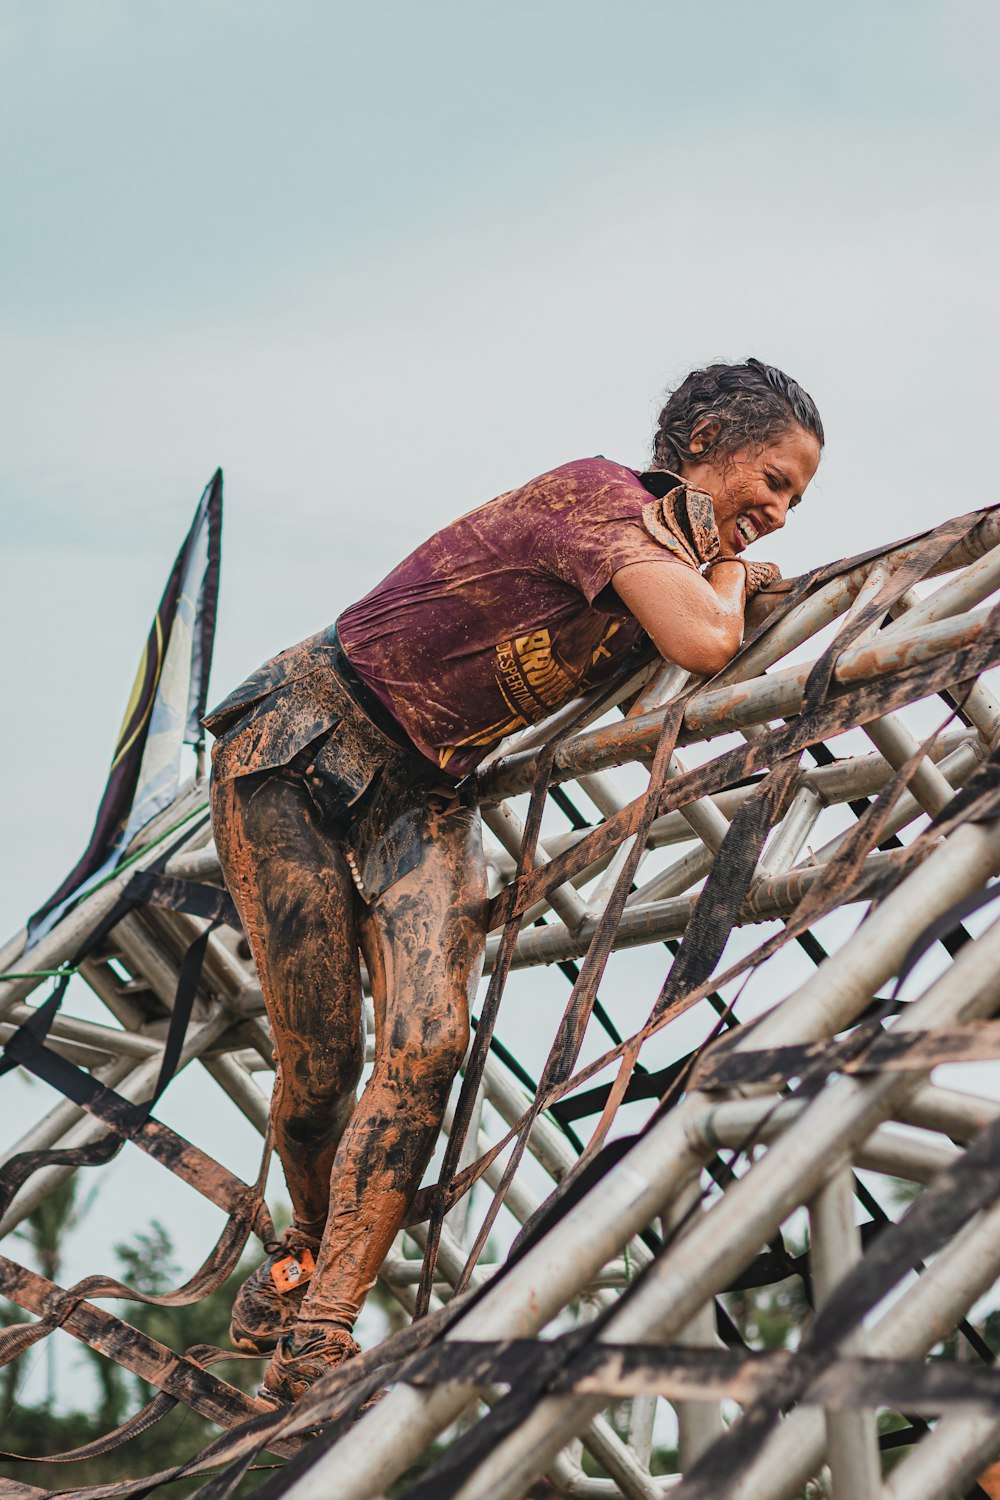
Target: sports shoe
x=301, y=1357
x=269, y=1301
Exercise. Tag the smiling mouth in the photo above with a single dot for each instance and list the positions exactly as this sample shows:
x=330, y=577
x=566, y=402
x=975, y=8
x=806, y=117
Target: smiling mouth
x=746, y=530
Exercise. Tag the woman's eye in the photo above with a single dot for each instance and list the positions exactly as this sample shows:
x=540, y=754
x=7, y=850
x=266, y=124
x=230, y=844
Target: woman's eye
x=773, y=482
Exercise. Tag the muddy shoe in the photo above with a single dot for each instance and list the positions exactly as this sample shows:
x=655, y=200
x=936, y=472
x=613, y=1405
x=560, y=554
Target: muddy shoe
x=301, y=1357
x=269, y=1301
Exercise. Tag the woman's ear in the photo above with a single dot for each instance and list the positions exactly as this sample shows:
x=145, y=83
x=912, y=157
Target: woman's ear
x=704, y=434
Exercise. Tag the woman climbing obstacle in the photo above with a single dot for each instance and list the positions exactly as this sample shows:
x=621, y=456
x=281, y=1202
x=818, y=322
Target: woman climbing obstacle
x=345, y=819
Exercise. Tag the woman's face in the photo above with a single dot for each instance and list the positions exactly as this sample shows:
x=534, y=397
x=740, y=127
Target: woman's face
x=753, y=490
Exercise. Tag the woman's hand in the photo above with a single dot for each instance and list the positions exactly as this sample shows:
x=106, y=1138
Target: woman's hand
x=692, y=620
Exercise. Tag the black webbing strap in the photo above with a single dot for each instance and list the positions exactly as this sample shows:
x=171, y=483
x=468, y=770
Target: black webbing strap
x=26, y=1049
x=209, y=901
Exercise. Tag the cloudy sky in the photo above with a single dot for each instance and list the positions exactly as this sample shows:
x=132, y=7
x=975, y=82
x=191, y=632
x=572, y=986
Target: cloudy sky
x=381, y=261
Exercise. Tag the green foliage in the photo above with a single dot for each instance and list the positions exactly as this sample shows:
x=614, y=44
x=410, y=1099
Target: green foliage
x=770, y=1317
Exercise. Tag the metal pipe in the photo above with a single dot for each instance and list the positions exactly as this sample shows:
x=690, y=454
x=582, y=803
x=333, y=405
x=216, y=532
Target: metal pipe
x=927, y=784
x=835, y=1246
x=959, y=1116
x=656, y=920
x=946, y=1462
x=974, y=584
x=102, y=1038
x=779, y=694
x=235, y=1081
x=12, y=950
x=735, y=1121
x=63, y=942
x=956, y=768
x=842, y=986
x=699, y=1423
x=785, y=844
x=505, y=825
x=832, y=598
x=674, y=880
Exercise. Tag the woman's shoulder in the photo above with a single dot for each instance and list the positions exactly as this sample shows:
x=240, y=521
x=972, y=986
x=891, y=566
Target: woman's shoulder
x=593, y=471
x=576, y=494
x=576, y=482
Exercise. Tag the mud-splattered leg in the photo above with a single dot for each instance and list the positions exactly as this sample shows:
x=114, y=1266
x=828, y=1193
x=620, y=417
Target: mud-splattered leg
x=431, y=926
x=295, y=897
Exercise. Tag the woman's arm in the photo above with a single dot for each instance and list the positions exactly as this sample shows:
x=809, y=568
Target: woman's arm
x=694, y=621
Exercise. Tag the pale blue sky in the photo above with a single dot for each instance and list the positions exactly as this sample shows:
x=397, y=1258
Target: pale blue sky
x=382, y=261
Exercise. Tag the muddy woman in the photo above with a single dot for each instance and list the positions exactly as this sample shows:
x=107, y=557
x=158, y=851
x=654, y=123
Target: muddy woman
x=345, y=816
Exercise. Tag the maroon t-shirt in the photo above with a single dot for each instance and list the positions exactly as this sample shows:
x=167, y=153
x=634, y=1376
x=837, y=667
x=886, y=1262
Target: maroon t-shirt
x=506, y=614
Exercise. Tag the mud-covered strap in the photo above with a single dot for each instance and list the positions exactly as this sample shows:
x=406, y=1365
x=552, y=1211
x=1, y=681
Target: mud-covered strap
x=193, y=897
x=141, y=1421
x=128, y=1346
x=484, y=1035
x=681, y=1373
x=26, y=1048
x=716, y=910
x=941, y=926
x=866, y=1049
x=246, y=1213
x=846, y=880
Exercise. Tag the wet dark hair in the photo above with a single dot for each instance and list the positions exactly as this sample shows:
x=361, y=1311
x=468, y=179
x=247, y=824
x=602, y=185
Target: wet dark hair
x=753, y=403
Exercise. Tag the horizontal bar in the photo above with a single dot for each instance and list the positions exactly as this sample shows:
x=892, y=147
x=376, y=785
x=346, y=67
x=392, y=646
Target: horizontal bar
x=717, y=710
x=663, y=919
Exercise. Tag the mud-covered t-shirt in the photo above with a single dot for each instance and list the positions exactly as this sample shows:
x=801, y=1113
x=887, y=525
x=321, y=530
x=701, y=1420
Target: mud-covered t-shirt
x=506, y=614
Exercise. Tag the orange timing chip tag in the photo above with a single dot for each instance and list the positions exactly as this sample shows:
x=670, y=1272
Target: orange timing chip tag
x=292, y=1271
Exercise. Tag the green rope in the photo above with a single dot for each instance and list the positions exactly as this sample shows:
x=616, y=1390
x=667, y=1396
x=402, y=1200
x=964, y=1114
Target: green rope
x=195, y=812
x=42, y=974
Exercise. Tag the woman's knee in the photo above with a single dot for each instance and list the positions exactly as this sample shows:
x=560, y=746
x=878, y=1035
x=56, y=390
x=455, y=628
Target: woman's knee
x=318, y=1094
x=429, y=1042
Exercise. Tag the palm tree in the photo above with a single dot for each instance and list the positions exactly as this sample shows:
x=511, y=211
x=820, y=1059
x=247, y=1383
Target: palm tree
x=45, y=1231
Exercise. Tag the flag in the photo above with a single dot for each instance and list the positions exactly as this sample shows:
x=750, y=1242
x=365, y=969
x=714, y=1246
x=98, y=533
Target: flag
x=164, y=710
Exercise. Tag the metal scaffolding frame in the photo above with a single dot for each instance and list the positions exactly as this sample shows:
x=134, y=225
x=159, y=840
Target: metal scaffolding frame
x=608, y=1325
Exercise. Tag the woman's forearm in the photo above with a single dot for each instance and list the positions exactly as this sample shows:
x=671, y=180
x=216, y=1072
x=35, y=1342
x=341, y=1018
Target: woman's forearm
x=693, y=620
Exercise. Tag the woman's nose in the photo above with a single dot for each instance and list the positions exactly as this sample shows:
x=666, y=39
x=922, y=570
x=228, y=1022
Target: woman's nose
x=776, y=510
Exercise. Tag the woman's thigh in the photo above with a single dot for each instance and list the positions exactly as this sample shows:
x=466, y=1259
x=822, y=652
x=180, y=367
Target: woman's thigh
x=295, y=896
x=424, y=939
